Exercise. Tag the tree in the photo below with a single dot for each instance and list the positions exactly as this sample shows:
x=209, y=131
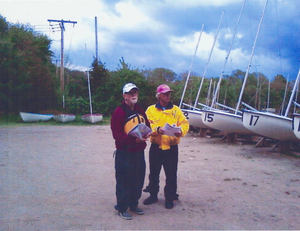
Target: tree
x=161, y=75
x=26, y=79
x=277, y=91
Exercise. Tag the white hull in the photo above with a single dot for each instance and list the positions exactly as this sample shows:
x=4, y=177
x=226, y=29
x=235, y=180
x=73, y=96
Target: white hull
x=296, y=125
x=64, y=118
x=269, y=125
x=225, y=122
x=194, y=117
x=34, y=117
x=92, y=118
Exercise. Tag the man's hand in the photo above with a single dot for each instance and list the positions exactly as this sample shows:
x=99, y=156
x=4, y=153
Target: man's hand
x=161, y=131
x=138, y=140
x=178, y=134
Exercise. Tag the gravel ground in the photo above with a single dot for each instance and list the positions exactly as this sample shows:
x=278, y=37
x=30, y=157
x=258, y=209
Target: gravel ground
x=62, y=178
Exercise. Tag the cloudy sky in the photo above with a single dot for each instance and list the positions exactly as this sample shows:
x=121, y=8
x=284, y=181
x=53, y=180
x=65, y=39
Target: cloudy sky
x=164, y=33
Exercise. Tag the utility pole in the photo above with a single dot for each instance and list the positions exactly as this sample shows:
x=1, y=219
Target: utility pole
x=62, y=28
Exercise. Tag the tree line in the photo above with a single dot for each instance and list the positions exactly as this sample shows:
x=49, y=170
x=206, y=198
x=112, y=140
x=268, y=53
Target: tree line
x=29, y=81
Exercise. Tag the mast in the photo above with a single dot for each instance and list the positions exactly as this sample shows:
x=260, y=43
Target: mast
x=211, y=51
x=227, y=56
x=250, y=61
x=96, y=38
x=90, y=94
x=208, y=93
x=188, y=77
x=293, y=94
x=268, y=95
x=284, y=96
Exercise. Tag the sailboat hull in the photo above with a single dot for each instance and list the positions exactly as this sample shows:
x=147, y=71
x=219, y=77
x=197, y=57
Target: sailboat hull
x=92, y=118
x=64, y=118
x=225, y=122
x=296, y=125
x=269, y=125
x=194, y=117
x=34, y=117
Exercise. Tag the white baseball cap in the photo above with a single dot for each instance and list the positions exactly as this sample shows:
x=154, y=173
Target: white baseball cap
x=128, y=87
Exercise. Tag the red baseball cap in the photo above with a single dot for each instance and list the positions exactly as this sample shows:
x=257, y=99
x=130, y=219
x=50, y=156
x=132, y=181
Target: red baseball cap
x=163, y=89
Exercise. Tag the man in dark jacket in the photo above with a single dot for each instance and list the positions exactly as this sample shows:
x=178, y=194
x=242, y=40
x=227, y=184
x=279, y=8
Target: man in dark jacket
x=129, y=157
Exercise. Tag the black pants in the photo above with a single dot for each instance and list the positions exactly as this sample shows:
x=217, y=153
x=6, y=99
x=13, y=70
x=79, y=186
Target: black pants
x=130, y=175
x=169, y=160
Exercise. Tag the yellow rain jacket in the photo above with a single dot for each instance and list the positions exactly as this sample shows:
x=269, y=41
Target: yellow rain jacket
x=159, y=117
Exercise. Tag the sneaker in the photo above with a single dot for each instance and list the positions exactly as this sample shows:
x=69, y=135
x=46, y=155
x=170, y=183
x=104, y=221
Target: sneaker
x=137, y=210
x=125, y=215
x=150, y=200
x=169, y=204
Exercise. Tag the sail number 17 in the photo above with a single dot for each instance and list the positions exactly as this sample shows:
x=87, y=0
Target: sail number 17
x=253, y=120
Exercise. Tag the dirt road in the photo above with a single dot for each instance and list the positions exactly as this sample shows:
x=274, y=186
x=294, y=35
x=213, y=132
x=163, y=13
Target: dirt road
x=62, y=178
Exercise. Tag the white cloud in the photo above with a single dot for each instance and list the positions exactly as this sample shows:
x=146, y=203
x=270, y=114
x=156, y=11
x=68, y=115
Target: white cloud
x=186, y=45
x=196, y=3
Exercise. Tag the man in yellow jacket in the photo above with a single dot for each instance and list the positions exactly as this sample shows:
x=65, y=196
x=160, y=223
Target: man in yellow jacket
x=164, y=148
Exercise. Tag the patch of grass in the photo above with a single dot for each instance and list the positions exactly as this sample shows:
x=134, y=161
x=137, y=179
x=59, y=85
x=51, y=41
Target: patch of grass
x=15, y=120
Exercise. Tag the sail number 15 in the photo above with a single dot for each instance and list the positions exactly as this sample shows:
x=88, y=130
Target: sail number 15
x=253, y=120
x=208, y=117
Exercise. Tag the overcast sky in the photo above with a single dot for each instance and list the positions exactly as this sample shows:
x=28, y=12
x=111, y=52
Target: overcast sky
x=164, y=33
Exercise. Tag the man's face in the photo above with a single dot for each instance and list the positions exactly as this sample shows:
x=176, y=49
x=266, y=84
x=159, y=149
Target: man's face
x=165, y=97
x=131, y=97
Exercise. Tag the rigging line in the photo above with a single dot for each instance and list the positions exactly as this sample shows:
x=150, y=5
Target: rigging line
x=259, y=88
x=227, y=55
x=279, y=44
x=250, y=61
x=208, y=61
x=227, y=28
x=250, y=25
x=70, y=45
x=195, y=53
x=284, y=96
x=296, y=98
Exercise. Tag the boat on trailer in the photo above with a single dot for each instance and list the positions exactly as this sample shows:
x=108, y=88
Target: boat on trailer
x=64, y=118
x=35, y=117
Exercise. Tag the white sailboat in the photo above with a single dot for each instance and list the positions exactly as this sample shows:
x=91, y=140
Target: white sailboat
x=274, y=126
x=194, y=115
x=64, y=118
x=35, y=117
x=194, y=118
x=296, y=125
x=225, y=121
x=91, y=118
